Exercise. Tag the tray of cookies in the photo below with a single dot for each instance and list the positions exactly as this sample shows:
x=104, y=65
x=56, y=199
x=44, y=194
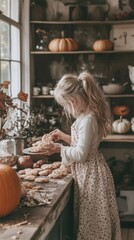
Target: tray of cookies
x=28, y=151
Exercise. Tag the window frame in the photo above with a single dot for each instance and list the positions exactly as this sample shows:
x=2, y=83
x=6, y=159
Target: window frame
x=24, y=25
x=18, y=27
x=25, y=45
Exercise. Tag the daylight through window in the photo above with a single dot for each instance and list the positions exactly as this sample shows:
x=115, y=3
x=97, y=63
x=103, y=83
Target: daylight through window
x=10, y=55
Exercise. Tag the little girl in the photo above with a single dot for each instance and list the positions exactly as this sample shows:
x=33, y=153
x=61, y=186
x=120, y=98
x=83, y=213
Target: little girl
x=95, y=210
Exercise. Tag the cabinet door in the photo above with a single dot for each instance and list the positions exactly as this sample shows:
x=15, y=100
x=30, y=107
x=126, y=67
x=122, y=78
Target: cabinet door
x=124, y=233
x=66, y=223
x=131, y=234
x=55, y=233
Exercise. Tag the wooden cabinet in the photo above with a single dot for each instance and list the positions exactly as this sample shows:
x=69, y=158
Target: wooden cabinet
x=127, y=233
x=63, y=229
x=127, y=227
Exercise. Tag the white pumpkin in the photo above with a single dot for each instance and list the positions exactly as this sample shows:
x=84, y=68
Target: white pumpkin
x=132, y=124
x=121, y=125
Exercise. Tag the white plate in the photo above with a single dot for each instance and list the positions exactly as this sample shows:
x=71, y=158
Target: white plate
x=26, y=151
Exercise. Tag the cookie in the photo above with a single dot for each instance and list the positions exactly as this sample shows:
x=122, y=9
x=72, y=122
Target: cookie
x=41, y=180
x=22, y=172
x=57, y=175
x=47, y=138
x=56, y=165
x=34, y=172
x=45, y=172
x=22, y=176
x=30, y=177
x=46, y=167
x=27, y=170
x=28, y=185
x=36, y=143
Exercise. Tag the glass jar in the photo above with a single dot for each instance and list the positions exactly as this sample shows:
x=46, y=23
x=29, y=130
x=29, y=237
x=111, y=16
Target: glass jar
x=8, y=146
x=20, y=145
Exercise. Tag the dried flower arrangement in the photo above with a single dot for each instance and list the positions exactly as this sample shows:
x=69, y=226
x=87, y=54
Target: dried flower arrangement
x=7, y=103
x=37, y=123
x=23, y=122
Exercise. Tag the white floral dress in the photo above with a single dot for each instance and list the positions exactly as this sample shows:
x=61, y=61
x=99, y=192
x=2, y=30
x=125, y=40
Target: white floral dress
x=95, y=209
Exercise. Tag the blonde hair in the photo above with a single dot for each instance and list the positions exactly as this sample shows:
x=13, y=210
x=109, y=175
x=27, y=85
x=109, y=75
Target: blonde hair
x=92, y=97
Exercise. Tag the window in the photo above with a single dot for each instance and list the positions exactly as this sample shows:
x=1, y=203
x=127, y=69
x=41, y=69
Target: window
x=10, y=54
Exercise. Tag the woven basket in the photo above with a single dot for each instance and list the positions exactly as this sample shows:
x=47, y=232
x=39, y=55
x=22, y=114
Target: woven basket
x=9, y=160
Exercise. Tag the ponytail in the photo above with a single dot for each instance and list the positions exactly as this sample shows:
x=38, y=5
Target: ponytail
x=96, y=102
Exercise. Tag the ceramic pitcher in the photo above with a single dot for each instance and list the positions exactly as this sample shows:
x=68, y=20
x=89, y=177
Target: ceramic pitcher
x=131, y=75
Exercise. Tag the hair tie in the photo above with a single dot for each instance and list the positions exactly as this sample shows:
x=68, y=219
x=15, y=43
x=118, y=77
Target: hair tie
x=80, y=82
x=79, y=79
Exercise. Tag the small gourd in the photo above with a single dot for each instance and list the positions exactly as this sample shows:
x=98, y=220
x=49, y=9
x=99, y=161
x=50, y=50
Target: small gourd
x=102, y=45
x=120, y=110
x=132, y=124
x=10, y=190
x=121, y=125
x=63, y=44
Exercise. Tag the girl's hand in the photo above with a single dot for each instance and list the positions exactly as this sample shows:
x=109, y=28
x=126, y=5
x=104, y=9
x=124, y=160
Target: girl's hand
x=53, y=148
x=57, y=135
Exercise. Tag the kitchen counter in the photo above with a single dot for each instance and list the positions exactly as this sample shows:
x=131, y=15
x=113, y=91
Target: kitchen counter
x=38, y=222
x=53, y=221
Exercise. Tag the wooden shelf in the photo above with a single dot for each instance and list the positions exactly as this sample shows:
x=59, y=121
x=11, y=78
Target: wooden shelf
x=119, y=95
x=106, y=95
x=119, y=138
x=85, y=22
x=81, y=52
x=43, y=96
x=114, y=138
x=129, y=218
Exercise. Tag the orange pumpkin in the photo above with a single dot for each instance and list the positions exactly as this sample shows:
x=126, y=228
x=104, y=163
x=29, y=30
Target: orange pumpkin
x=120, y=110
x=63, y=45
x=102, y=45
x=10, y=190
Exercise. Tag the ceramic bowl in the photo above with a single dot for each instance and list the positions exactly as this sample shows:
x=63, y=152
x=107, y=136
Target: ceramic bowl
x=51, y=92
x=114, y=88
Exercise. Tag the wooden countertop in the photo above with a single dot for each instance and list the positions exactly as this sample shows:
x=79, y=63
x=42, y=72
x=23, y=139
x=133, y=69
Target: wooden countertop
x=29, y=223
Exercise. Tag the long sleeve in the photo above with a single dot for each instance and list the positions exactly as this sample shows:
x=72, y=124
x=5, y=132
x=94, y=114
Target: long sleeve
x=87, y=133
